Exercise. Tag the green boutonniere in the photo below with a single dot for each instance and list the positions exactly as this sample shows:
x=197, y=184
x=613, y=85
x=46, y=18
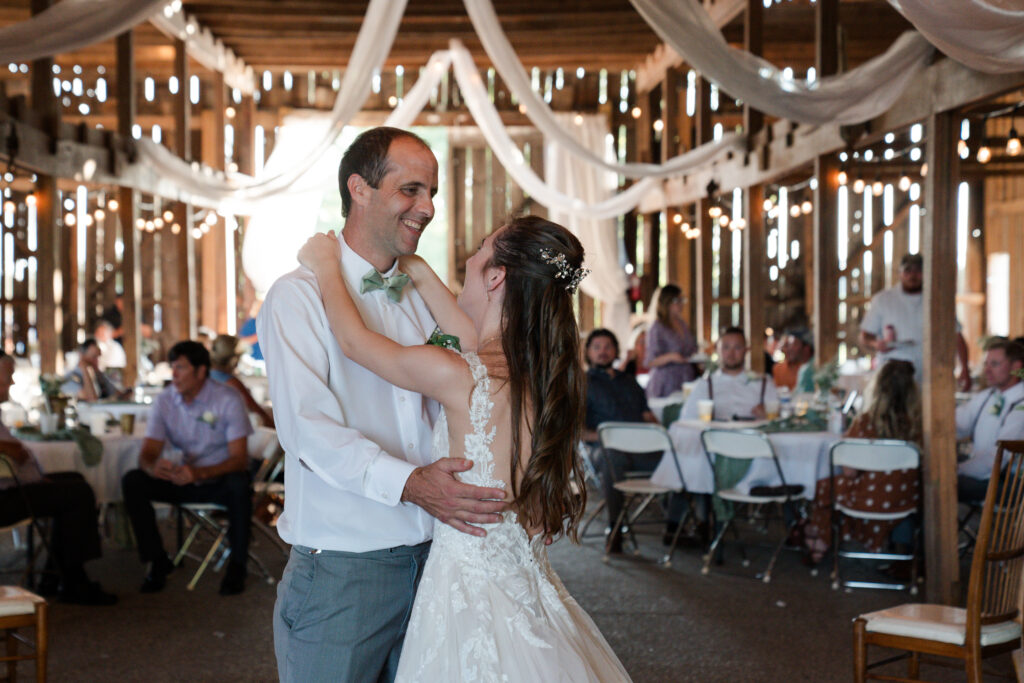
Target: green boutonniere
x=997, y=407
x=445, y=341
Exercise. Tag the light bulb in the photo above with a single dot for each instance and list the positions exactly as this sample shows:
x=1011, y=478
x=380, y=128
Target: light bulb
x=842, y=177
x=1013, y=143
x=806, y=207
x=858, y=185
x=794, y=210
x=877, y=188
x=904, y=184
x=984, y=154
x=715, y=211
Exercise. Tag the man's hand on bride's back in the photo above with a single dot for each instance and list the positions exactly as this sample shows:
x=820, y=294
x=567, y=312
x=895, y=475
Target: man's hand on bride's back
x=436, y=489
x=320, y=251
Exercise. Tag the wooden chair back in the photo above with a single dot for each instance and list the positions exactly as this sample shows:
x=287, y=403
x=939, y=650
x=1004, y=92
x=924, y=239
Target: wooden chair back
x=994, y=588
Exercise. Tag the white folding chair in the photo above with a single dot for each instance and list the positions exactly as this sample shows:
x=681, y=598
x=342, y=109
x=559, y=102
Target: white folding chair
x=872, y=455
x=263, y=445
x=745, y=444
x=639, y=437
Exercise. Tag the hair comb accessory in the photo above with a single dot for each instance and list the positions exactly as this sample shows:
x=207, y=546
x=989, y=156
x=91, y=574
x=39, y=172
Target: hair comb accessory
x=565, y=271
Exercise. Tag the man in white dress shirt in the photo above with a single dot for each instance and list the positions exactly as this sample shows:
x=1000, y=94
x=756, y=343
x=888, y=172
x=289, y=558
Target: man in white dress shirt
x=893, y=326
x=737, y=394
x=991, y=415
x=361, y=492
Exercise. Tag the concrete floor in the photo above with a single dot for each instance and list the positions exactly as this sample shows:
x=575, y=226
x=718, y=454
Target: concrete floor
x=665, y=624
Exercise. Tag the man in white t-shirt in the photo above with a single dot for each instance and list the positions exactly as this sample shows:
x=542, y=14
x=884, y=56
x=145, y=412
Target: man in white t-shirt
x=737, y=394
x=112, y=354
x=993, y=414
x=893, y=326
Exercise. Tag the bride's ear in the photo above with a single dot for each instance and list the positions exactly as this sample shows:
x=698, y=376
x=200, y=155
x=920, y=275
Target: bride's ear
x=495, y=278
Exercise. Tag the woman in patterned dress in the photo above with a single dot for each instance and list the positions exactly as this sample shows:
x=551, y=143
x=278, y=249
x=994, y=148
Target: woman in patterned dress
x=893, y=411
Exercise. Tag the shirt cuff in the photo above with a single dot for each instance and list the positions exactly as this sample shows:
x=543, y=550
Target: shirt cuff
x=385, y=479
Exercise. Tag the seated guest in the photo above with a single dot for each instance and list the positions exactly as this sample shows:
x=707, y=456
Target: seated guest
x=893, y=411
x=223, y=359
x=64, y=497
x=669, y=346
x=86, y=381
x=208, y=423
x=737, y=394
x=991, y=415
x=796, y=372
x=613, y=396
x=112, y=355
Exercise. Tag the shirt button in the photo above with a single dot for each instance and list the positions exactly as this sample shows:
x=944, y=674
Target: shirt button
x=384, y=495
x=410, y=446
x=401, y=399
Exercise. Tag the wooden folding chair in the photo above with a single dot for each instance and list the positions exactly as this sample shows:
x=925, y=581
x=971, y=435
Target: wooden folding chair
x=989, y=623
x=20, y=608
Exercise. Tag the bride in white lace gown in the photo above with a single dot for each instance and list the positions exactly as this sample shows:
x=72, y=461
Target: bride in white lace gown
x=489, y=607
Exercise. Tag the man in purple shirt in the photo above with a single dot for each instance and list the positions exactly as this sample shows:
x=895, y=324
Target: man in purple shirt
x=208, y=423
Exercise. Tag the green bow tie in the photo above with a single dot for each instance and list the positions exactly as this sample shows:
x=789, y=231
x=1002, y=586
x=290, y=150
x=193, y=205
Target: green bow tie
x=392, y=286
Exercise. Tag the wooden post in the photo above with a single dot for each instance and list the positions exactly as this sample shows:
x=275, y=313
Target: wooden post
x=753, y=275
x=213, y=300
x=127, y=210
x=702, y=220
x=753, y=42
x=177, y=281
x=47, y=108
x=826, y=170
x=938, y=247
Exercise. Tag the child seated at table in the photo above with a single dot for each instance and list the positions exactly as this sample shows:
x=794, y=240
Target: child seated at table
x=892, y=411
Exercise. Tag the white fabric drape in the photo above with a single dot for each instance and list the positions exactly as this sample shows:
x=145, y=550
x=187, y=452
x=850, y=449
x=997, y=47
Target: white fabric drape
x=986, y=35
x=572, y=176
x=503, y=55
x=493, y=129
x=71, y=25
x=373, y=44
x=855, y=96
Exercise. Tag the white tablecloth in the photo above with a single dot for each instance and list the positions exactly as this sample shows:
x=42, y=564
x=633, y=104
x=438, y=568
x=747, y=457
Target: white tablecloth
x=120, y=454
x=86, y=409
x=658, y=405
x=803, y=457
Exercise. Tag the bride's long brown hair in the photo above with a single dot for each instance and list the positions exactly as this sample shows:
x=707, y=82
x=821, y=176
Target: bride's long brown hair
x=540, y=340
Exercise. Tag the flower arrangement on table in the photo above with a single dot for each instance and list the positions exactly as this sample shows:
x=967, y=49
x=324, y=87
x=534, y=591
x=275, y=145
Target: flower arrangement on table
x=826, y=376
x=54, y=399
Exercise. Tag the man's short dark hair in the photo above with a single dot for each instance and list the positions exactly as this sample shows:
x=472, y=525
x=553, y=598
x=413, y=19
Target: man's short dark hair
x=87, y=344
x=733, y=330
x=367, y=157
x=803, y=335
x=192, y=351
x=602, y=332
x=912, y=261
x=1013, y=350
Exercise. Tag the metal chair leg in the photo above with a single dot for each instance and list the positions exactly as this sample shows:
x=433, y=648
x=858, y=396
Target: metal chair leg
x=615, y=528
x=706, y=569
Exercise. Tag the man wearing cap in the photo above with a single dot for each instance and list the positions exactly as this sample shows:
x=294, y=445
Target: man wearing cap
x=893, y=327
x=796, y=372
x=224, y=354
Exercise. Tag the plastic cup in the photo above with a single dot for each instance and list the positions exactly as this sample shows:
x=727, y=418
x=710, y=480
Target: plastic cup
x=128, y=424
x=772, y=409
x=706, y=409
x=48, y=423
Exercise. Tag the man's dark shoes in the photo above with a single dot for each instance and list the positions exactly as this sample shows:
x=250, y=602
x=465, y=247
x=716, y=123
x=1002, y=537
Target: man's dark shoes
x=87, y=593
x=234, y=579
x=156, y=579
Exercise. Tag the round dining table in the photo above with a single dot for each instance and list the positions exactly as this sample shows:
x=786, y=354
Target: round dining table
x=803, y=457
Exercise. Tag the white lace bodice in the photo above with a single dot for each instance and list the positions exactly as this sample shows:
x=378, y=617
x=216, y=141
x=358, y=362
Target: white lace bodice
x=505, y=540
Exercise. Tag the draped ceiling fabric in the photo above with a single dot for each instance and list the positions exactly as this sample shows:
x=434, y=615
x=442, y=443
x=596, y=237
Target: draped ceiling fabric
x=986, y=35
x=373, y=44
x=855, y=96
x=71, y=25
x=503, y=55
x=572, y=176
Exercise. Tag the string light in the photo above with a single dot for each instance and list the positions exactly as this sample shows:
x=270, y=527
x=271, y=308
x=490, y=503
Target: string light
x=806, y=207
x=715, y=211
x=113, y=205
x=984, y=154
x=858, y=185
x=842, y=177
x=904, y=183
x=678, y=218
x=1013, y=146
x=636, y=112
x=877, y=188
